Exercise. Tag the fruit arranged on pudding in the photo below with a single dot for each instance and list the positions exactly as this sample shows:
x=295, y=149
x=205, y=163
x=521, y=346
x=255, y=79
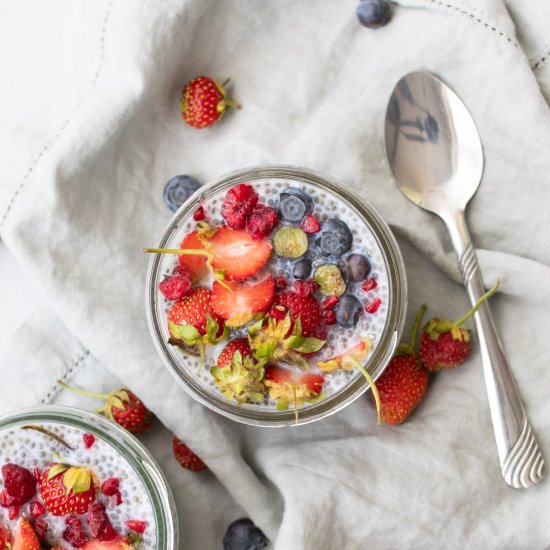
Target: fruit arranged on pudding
x=238, y=204
x=195, y=264
x=25, y=538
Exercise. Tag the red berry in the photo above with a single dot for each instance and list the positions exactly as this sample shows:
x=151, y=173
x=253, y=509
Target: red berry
x=99, y=523
x=88, y=440
x=305, y=307
x=369, y=284
x=41, y=527
x=329, y=316
x=261, y=221
x=110, y=486
x=136, y=525
x=5, y=500
x=186, y=457
x=239, y=344
x=175, y=287
x=310, y=224
x=194, y=309
x=239, y=202
x=13, y=512
x=37, y=509
x=305, y=288
x=199, y=214
x=25, y=538
x=36, y=474
x=118, y=498
x=19, y=484
x=277, y=312
x=195, y=264
x=329, y=302
x=444, y=350
x=280, y=283
x=74, y=534
x=372, y=306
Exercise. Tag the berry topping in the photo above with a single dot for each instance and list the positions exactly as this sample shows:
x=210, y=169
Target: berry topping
x=19, y=484
x=290, y=242
x=74, y=534
x=110, y=486
x=136, y=525
x=306, y=308
x=305, y=288
x=13, y=512
x=40, y=528
x=178, y=190
x=374, y=13
x=5, y=500
x=68, y=489
x=347, y=311
x=25, y=537
x=262, y=220
x=5, y=538
x=118, y=543
x=203, y=102
x=36, y=509
x=177, y=285
x=373, y=306
x=280, y=283
x=99, y=523
x=310, y=224
x=277, y=312
x=238, y=303
x=294, y=204
x=335, y=238
x=302, y=269
x=329, y=316
x=330, y=280
x=88, y=440
x=236, y=253
x=194, y=310
x=195, y=264
x=199, y=215
x=239, y=202
x=369, y=284
x=359, y=267
x=329, y=302
x=242, y=534
x=186, y=457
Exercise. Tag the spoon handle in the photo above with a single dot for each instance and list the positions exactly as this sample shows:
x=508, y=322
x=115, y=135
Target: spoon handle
x=521, y=461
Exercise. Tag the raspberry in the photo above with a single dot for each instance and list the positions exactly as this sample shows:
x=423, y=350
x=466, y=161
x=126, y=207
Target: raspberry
x=369, y=284
x=237, y=205
x=88, y=439
x=198, y=214
x=280, y=283
x=305, y=288
x=74, y=533
x=19, y=483
x=110, y=486
x=40, y=527
x=261, y=221
x=37, y=509
x=177, y=285
x=372, y=307
x=310, y=224
x=5, y=500
x=99, y=523
x=136, y=525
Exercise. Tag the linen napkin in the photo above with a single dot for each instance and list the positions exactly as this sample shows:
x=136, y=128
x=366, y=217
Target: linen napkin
x=90, y=132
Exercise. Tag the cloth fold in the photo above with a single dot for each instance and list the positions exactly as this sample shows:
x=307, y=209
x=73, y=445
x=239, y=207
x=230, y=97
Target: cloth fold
x=91, y=132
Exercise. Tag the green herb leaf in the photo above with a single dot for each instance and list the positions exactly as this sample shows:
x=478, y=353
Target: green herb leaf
x=189, y=334
x=310, y=345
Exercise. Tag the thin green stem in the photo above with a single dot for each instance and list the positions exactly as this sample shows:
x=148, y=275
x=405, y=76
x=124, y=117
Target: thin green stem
x=83, y=392
x=48, y=433
x=181, y=251
x=416, y=324
x=372, y=385
x=476, y=305
x=295, y=404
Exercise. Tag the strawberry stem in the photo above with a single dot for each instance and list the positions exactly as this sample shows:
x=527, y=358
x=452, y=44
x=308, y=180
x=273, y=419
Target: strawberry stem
x=295, y=404
x=372, y=385
x=190, y=252
x=416, y=324
x=83, y=392
x=476, y=305
x=48, y=433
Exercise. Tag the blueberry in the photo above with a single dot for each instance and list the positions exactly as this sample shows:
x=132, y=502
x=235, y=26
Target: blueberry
x=347, y=311
x=373, y=13
x=302, y=269
x=335, y=239
x=294, y=204
x=178, y=190
x=242, y=534
x=358, y=267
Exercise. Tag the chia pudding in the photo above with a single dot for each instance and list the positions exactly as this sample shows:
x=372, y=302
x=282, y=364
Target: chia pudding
x=271, y=253
x=102, y=481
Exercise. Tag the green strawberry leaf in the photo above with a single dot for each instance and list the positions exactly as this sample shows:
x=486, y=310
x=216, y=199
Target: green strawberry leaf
x=56, y=470
x=310, y=345
x=297, y=330
x=282, y=404
x=294, y=341
x=255, y=328
x=189, y=334
x=266, y=349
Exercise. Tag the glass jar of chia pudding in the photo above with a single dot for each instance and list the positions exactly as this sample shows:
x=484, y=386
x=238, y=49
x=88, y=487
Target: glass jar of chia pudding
x=139, y=505
x=325, y=232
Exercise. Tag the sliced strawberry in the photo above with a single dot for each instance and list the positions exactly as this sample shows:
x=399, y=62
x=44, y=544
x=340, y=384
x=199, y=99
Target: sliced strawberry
x=240, y=302
x=196, y=265
x=356, y=353
x=237, y=253
x=313, y=382
x=25, y=538
x=5, y=537
x=119, y=543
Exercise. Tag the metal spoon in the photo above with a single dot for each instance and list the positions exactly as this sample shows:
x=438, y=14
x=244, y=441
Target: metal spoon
x=435, y=153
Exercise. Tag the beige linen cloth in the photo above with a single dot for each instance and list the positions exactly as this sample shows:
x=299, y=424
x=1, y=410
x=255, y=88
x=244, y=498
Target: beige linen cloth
x=89, y=133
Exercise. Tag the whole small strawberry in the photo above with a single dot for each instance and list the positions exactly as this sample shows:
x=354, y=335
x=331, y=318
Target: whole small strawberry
x=446, y=345
x=122, y=406
x=203, y=102
x=186, y=457
x=404, y=382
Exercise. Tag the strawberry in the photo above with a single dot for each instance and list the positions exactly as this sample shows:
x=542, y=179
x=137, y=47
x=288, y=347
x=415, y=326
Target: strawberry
x=238, y=303
x=136, y=525
x=118, y=543
x=19, y=484
x=261, y=221
x=238, y=203
x=203, y=102
x=122, y=406
x=404, y=382
x=238, y=374
x=68, y=489
x=306, y=308
x=25, y=538
x=446, y=345
x=186, y=457
x=288, y=387
x=5, y=538
x=196, y=265
x=193, y=311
